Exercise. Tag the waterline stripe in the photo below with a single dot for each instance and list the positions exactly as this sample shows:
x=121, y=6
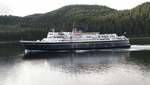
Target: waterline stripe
x=79, y=43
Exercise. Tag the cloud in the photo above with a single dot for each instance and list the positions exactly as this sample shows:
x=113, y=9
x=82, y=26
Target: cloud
x=4, y=9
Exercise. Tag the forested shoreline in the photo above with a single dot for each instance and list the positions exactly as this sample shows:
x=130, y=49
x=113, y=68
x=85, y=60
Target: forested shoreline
x=93, y=18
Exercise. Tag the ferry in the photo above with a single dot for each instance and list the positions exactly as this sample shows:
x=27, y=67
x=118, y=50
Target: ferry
x=77, y=40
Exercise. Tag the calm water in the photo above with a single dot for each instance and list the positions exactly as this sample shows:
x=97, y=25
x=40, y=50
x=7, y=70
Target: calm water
x=128, y=66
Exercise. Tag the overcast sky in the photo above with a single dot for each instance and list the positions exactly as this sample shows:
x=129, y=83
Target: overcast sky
x=28, y=7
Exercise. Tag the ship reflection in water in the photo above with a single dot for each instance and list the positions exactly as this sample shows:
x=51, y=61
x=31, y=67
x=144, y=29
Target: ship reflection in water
x=80, y=61
x=94, y=67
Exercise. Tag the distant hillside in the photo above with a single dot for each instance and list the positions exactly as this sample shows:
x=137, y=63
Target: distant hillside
x=64, y=17
x=136, y=22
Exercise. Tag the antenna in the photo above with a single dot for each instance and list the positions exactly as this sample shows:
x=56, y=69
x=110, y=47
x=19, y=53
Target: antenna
x=124, y=33
x=74, y=26
x=53, y=29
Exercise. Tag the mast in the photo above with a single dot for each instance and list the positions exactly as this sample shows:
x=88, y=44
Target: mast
x=73, y=31
x=53, y=30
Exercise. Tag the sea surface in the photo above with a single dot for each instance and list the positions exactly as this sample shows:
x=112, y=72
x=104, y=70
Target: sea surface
x=121, y=66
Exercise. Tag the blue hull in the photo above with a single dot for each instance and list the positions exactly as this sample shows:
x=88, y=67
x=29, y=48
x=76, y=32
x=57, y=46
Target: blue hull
x=75, y=45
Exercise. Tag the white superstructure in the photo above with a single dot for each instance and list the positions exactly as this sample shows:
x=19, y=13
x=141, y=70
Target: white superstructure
x=78, y=36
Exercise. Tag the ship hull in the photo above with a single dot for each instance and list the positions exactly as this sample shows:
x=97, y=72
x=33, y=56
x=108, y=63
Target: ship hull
x=51, y=46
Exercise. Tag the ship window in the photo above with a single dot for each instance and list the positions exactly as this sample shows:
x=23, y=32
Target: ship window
x=88, y=36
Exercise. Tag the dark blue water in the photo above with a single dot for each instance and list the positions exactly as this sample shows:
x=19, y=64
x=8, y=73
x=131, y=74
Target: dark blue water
x=127, y=66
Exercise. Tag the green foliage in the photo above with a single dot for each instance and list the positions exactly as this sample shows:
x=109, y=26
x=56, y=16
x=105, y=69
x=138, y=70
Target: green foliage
x=136, y=22
x=24, y=34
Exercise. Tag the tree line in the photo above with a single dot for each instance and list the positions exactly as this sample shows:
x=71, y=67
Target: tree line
x=136, y=21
